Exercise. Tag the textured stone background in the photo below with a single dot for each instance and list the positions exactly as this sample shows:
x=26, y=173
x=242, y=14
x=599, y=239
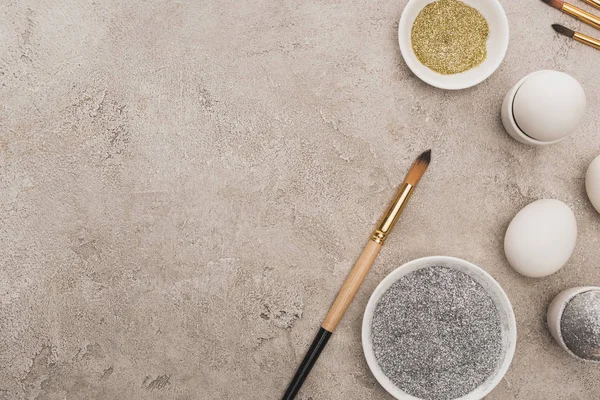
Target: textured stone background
x=185, y=184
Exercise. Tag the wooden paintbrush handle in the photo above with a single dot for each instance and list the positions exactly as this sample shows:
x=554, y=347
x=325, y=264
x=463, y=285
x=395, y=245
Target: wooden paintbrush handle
x=351, y=286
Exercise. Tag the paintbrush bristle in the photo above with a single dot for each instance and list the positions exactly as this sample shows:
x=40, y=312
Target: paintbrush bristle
x=563, y=30
x=558, y=4
x=418, y=168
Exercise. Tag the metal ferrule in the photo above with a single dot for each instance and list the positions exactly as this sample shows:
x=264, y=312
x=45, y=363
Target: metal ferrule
x=393, y=212
x=593, y=3
x=585, y=39
x=581, y=15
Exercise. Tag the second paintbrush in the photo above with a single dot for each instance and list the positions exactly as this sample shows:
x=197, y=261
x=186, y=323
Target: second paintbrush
x=576, y=12
x=580, y=37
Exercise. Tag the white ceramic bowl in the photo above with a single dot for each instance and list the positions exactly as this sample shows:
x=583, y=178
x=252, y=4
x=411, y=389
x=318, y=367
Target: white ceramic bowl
x=507, y=316
x=555, y=312
x=497, y=45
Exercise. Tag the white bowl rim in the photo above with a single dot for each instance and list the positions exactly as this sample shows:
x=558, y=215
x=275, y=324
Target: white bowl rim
x=509, y=325
x=416, y=67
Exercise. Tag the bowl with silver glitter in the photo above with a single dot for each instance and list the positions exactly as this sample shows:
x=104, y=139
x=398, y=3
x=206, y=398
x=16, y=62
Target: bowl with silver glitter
x=574, y=322
x=439, y=328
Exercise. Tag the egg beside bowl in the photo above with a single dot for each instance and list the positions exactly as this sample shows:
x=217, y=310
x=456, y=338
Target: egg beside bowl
x=541, y=238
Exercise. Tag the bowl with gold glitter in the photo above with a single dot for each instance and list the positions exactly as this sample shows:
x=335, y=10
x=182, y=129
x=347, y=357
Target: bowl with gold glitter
x=453, y=44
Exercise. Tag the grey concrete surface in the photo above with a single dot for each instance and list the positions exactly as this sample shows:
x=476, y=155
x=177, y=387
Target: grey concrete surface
x=185, y=184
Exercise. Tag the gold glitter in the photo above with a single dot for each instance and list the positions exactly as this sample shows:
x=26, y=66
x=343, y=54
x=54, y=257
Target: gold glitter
x=450, y=37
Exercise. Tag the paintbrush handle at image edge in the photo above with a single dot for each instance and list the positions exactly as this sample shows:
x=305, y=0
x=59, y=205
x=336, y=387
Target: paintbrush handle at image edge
x=585, y=39
x=309, y=360
x=575, y=12
x=593, y=3
x=340, y=305
x=581, y=15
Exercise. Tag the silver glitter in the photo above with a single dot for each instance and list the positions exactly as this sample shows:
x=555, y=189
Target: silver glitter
x=580, y=325
x=436, y=334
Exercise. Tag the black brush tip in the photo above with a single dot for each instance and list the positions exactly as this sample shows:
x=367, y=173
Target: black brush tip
x=563, y=30
x=425, y=157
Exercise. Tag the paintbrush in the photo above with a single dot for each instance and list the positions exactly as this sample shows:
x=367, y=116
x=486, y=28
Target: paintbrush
x=358, y=272
x=576, y=12
x=593, y=3
x=580, y=37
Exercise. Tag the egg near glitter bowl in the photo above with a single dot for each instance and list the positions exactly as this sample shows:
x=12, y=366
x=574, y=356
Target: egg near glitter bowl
x=541, y=238
x=439, y=327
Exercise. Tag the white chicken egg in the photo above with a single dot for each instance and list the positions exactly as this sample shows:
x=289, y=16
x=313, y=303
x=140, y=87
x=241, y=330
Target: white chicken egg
x=549, y=105
x=592, y=183
x=541, y=238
